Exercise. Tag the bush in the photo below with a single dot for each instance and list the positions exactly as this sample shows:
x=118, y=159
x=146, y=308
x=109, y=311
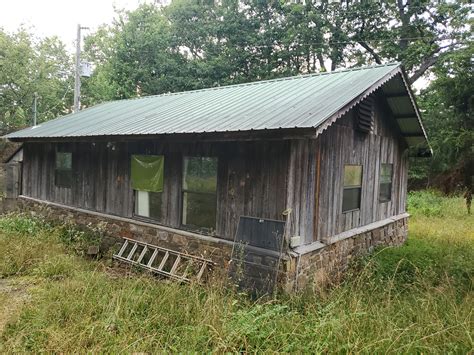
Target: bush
x=14, y=223
x=80, y=239
x=425, y=202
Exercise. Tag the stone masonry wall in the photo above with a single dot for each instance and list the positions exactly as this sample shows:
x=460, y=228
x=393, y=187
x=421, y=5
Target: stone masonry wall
x=115, y=228
x=328, y=264
x=319, y=267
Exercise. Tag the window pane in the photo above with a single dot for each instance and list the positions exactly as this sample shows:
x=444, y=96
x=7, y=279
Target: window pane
x=199, y=210
x=142, y=203
x=351, y=199
x=63, y=160
x=155, y=204
x=200, y=174
x=386, y=173
x=148, y=204
x=352, y=175
x=63, y=178
x=385, y=193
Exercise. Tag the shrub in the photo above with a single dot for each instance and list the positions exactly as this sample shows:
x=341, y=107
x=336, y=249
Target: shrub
x=81, y=238
x=15, y=223
x=426, y=202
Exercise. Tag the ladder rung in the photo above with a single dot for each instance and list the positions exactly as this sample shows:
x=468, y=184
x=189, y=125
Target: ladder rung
x=163, y=261
x=122, y=249
x=152, y=258
x=201, y=272
x=129, y=257
x=175, y=265
x=139, y=260
x=187, y=275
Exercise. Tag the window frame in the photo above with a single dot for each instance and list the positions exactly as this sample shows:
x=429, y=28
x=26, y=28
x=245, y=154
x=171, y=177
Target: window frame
x=380, y=199
x=59, y=169
x=183, y=191
x=352, y=187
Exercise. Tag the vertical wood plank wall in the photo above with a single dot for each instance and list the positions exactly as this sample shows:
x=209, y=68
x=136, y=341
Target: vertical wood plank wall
x=252, y=177
x=302, y=175
x=341, y=144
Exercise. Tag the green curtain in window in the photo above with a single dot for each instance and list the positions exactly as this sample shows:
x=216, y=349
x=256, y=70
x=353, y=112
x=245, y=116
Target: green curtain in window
x=147, y=172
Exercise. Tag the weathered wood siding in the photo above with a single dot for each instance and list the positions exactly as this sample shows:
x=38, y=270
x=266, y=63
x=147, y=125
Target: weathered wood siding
x=255, y=178
x=301, y=193
x=252, y=177
x=342, y=144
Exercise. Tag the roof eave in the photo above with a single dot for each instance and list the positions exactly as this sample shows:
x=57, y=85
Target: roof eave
x=424, y=151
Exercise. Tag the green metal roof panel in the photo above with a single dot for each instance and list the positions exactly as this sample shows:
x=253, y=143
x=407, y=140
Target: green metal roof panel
x=297, y=102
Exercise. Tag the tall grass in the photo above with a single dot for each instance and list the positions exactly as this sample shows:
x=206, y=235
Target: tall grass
x=413, y=299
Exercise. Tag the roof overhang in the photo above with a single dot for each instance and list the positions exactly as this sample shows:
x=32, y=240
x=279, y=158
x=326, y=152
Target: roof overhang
x=405, y=110
x=401, y=101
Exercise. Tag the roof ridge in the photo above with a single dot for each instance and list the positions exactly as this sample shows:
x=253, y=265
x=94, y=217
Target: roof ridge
x=259, y=82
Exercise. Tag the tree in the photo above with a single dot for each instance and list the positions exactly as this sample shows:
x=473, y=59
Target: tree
x=448, y=105
x=136, y=56
x=418, y=33
x=29, y=66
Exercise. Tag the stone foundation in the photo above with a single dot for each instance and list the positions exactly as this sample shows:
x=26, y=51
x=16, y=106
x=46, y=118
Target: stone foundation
x=215, y=249
x=324, y=264
x=317, y=264
x=8, y=204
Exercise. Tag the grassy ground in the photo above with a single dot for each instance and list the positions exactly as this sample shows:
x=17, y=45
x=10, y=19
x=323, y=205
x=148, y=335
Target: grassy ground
x=414, y=299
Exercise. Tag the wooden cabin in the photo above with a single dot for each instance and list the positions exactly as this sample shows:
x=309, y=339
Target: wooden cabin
x=321, y=159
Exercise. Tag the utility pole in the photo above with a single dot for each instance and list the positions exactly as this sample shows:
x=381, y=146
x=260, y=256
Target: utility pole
x=35, y=102
x=77, y=79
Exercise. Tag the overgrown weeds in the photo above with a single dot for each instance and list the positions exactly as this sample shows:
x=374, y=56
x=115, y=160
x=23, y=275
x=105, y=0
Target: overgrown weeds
x=413, y=299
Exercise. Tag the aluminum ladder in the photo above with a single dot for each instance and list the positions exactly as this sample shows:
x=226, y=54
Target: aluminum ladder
x=175, y=265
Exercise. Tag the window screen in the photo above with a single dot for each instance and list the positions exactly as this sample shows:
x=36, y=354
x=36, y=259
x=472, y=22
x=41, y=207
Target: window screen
x=147, y=175
x=352, y=187
x=199, y=193
x=63, y=169
x=385, y=190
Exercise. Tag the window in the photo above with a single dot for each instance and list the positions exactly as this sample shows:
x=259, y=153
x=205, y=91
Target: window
x=352, y=187
x=199, y=193
x=63, y=169
x=147, y=172
x=385, y=190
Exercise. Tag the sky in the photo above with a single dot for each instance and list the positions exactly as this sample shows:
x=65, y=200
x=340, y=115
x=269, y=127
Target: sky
x=60, y=17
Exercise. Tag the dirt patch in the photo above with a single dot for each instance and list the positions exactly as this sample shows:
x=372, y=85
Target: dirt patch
x=13, y=296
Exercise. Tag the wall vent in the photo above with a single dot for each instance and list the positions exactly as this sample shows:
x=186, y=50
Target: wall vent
x=365, y=115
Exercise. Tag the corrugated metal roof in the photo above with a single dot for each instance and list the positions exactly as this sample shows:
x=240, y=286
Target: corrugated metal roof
x=297, y=102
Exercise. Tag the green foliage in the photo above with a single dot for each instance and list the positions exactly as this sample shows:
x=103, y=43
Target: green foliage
x=29, y=65
x=24, y=242
x=448, y=104
x=31, y=246
x=411, y=299
x=426, y=203
x=80, y=239
x=22, y=224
